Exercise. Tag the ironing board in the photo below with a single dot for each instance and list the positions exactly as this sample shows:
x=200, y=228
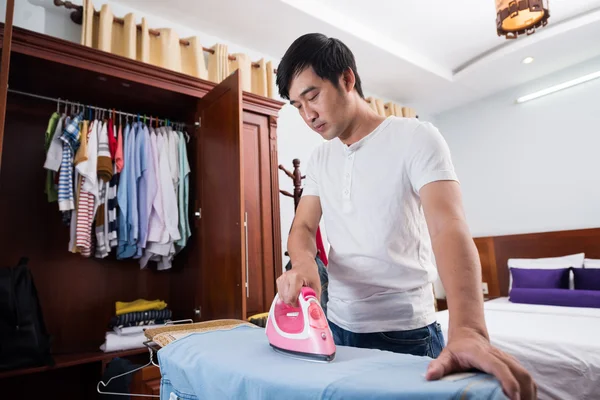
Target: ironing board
x=238, y=363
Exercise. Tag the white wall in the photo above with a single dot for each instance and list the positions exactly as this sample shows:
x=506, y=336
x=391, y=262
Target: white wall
x=529, y=167
x=295, y=139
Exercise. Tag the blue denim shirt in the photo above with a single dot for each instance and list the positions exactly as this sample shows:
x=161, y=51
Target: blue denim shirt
x=239, y=364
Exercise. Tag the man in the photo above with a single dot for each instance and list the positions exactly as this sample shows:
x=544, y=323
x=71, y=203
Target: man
x=390, y=198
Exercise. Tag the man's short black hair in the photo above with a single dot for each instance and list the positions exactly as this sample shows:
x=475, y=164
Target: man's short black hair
x=328, y=57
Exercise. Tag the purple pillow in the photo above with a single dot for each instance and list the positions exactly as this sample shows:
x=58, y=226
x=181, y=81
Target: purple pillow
x=587, y=278
x=556, y=297
x=540, y=278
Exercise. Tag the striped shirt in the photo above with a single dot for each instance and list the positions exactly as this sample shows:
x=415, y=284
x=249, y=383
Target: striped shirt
x=70, y=138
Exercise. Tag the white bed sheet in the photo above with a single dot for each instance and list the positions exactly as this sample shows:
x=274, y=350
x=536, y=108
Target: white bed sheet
x=559, y=346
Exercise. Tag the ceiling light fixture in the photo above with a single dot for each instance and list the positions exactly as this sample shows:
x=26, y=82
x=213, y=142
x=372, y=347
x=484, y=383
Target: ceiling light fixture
x=527, y=60
x=515, y=18
x=561, y=86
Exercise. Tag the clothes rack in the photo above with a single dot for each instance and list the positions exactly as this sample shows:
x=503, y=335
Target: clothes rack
x=58, y=100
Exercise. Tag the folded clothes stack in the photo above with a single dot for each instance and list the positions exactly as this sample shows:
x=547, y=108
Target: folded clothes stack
x=130, y=321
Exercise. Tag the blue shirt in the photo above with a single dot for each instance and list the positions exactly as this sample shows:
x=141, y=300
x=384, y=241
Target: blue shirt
x=239, y=364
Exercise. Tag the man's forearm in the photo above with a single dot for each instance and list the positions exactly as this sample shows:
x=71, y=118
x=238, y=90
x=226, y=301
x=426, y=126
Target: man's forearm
x=302, y=245
x=460, y=271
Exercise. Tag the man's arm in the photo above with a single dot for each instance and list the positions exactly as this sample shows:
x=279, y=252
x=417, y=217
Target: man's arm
x=302, y=242
x=456, y=255
x=302, y=248
x=460, y=271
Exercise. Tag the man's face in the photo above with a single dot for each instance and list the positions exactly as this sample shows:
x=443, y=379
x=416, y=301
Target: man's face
x=322, y=106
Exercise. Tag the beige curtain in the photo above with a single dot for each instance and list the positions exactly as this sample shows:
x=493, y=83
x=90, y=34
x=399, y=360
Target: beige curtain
x=218, y=63
x=408, y=112
x=164, y=48
x=390, y=108
x=270, y=80
x=244, y=64
x=259, y=78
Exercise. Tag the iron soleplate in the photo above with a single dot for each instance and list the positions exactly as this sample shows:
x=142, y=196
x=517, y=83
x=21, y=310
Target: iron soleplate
x=320, y=358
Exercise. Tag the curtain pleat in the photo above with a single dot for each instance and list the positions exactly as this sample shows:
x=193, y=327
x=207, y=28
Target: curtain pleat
x=397, y=110
x=408, y=112
x=164, y=50
x=380, y=107
x=105, y=29
x=259, y=78
x=371, y=103
x=192, y=59
x=218, y=63
x=244, y=64
x=129, y=37
x=87, y=23
x=142, y=51
x=389, y=109
x=270, y=80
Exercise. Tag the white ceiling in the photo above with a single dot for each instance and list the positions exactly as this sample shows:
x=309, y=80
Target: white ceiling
x=433, y=55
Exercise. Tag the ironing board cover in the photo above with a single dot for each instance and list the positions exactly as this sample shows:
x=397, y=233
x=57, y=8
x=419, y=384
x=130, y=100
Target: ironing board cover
x=238, y=363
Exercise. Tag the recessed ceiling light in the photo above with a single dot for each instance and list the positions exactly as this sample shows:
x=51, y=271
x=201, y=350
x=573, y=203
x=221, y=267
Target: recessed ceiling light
x=527, y=60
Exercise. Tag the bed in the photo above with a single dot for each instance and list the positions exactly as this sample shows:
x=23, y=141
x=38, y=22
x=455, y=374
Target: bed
x=558, y=345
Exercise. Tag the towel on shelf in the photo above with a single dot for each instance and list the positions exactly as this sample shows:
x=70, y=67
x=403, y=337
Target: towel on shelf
x=139, y=305
x=114, y=342
x=141, y=318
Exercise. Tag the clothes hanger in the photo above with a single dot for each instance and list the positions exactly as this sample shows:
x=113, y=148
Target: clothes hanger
x=151, y=362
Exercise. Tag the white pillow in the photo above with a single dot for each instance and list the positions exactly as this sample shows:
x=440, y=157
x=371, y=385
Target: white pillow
x=591, y=263
x=573, y=260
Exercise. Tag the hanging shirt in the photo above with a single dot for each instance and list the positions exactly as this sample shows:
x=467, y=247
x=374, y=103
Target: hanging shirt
x=144, y=157
x=156, y=222
x=112, y=139
x=53, y=155
x=124, y=249
x=132, y=176
x=173, y=152
x=113, y=226
x=163, y=251
x=89, y=194
x=119, y=151
x=105, y=171
x=183, y=194
x=169, y=198
x=112, y=208
x=70, y=138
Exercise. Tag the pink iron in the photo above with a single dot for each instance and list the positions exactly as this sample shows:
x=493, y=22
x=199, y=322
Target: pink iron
x=301, y=332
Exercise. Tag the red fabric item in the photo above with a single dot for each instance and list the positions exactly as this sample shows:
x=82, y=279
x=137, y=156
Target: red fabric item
x=320, y=247
x=112, y=141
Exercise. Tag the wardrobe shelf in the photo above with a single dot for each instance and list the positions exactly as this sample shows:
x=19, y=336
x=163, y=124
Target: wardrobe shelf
x=70, y=360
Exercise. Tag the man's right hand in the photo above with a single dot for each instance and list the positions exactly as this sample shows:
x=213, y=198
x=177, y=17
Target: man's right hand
x=291, y=282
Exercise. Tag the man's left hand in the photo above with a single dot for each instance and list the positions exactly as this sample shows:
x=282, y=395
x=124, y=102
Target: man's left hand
x=468, y=350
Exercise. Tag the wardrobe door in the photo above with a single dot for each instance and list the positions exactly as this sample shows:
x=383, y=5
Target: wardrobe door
x=258, y=213
x=5, y=64
x=221, y=291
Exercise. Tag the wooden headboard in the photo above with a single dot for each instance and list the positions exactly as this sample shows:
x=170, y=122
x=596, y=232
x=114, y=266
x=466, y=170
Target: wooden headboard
x=494, y=252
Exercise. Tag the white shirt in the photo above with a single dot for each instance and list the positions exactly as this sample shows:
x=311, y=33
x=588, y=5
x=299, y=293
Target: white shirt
x=381, y=265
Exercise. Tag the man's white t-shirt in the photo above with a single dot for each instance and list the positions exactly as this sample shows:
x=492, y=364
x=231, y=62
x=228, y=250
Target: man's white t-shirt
x=381, y=265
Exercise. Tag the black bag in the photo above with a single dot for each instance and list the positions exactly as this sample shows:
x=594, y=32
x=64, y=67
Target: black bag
x=24, y=341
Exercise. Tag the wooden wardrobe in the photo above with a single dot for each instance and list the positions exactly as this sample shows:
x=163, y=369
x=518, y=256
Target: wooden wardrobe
x=229, y=267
